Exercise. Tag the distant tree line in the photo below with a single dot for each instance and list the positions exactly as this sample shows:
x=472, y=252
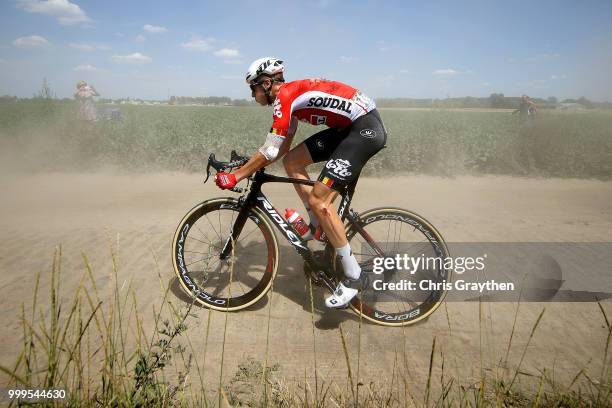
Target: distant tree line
x=181, y=100
x=495, y=101
x=208, y=100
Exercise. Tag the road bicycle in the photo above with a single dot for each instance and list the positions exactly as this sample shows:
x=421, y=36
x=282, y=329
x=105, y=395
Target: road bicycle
x=226, y=254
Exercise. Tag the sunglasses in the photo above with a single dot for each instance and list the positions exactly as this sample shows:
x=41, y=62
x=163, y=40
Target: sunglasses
x=253, y=85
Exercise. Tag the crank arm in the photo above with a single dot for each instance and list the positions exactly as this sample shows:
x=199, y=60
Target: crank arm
x=329, y=283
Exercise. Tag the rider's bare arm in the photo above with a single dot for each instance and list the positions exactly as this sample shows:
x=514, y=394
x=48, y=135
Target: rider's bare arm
x=259, y=160
x=256, y=162
x=276, y=146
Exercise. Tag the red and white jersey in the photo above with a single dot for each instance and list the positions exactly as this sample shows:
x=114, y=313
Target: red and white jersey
x=318, y=102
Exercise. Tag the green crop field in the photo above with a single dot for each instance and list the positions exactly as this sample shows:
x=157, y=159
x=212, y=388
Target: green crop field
x=45, y=135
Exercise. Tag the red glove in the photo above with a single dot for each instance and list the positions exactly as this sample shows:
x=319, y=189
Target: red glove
x=225, y=180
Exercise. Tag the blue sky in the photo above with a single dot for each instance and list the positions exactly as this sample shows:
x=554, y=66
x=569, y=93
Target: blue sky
x=152, y=49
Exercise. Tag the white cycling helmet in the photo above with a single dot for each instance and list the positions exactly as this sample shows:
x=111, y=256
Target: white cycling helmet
x=268, y=66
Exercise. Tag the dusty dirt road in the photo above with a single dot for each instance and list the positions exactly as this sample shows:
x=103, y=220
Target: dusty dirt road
x=137, y=214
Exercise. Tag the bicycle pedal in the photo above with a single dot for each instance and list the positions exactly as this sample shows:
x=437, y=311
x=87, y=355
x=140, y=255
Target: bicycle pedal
x=317, y=281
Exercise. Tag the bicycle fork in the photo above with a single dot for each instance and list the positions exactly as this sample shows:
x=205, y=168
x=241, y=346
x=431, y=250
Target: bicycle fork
x=228, y=247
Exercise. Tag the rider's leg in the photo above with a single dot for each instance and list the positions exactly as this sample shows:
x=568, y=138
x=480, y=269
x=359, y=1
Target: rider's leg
x=321, y=201
x=295, y=163
x=365, y=138
x=316, y=148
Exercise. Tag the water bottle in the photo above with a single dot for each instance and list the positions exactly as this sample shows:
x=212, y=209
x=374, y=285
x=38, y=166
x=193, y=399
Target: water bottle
x=297, y=221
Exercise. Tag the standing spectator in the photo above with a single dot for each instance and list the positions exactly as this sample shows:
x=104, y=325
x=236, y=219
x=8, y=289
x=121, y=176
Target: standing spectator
x=526, y=148
x=85, y=94
x=527, y=111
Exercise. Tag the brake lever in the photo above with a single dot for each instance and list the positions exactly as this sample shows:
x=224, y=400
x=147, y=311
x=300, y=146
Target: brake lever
x=235, y=157
x=210, y=158
x=236, y=162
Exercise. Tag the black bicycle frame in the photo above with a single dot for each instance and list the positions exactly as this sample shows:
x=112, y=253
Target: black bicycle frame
x=255, y=198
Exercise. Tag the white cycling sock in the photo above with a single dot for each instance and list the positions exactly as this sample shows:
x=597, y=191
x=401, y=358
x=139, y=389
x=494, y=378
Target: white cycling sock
x=351, y=268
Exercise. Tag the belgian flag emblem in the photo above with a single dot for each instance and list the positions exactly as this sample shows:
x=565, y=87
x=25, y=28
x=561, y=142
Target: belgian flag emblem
x=327, y=181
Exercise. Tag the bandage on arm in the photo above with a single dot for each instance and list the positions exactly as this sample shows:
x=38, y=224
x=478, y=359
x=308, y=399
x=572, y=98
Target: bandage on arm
x=272, y=146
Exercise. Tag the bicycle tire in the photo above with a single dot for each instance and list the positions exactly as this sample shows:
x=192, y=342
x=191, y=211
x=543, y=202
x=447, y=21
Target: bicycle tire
x=431, y=239
x=260, y=272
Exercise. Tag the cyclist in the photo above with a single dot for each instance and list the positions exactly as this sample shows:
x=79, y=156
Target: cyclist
x=355, y=133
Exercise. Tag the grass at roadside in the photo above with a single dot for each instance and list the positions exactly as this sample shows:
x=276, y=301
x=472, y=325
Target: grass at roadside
x=94, y=345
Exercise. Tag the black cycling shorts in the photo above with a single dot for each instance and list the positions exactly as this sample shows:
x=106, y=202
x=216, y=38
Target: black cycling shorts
x=347, y=150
